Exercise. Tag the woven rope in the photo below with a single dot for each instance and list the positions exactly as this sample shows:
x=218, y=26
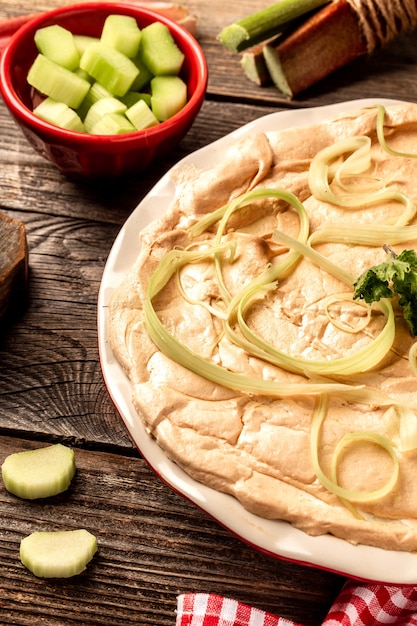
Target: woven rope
x=382, y=20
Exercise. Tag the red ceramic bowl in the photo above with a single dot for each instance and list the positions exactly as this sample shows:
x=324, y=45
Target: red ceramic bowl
x=91, y=156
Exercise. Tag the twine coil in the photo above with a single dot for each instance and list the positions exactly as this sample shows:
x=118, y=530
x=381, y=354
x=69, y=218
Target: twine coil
x=382, y=20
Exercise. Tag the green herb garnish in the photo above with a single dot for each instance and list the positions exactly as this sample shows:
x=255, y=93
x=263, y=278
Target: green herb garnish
x=397, y=276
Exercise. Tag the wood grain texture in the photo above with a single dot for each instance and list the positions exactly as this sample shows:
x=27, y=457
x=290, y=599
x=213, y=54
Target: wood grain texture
x=381, y=75
x=153, y=543
x=152, y=546
x=50, y=377
x=13, y=262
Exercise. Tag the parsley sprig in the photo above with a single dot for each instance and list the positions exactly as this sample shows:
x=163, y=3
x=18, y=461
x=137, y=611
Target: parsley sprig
x=397, y=276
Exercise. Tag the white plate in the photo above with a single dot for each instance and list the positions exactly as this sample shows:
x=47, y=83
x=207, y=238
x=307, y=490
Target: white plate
x=276, y=538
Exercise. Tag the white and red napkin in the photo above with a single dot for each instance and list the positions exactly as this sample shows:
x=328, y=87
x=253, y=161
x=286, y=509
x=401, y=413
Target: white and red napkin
x=358, y=604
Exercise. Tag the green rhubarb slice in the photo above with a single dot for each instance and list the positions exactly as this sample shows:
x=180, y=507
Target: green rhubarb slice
x=57, y=43
x=39, y=473
x=121, y=32
x=83, y=41
x=113, y=124
x=159, y=51
x=275, y=70
x=59, y=114
x=131, y=97
x=100, y=108
x=112, y=69
x=168, y=96
x=95, y=93
x=144, y=77
x=83, y=74
x=57, y=82
x=141, y=116
x=58, y=554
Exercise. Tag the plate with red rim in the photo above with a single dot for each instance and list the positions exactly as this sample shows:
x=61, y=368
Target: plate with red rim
x=273, y=537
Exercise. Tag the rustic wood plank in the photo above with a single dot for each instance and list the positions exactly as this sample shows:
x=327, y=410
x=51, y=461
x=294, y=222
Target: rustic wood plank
x=387, y=73
x=13, y=262
x=28, y=181
x=383, y=75
x=153, y=545
x=50, y=378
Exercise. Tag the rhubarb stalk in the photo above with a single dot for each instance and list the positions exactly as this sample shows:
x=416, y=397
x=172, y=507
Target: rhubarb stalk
x=266, y=23
x=254, y=65
x=327, y=41
x=334, y=36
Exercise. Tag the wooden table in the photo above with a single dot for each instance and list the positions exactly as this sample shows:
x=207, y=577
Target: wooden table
x=153, y=544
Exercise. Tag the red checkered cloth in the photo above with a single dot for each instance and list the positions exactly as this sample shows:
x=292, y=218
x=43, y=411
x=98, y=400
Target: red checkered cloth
x=200, y=609
x=358, y=604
